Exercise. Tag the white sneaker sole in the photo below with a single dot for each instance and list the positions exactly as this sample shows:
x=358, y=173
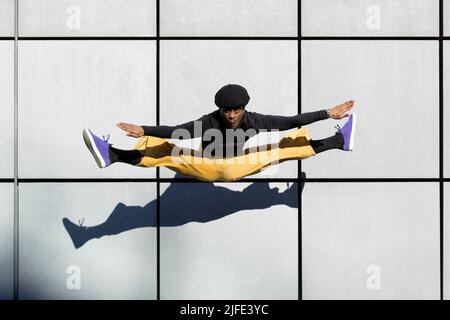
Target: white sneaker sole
x=89, y=140
x=352, y=135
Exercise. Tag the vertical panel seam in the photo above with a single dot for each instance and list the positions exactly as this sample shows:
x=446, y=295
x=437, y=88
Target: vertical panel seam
x=158, y=183
x=441, y=151
x=16, y=183
x=299, y=170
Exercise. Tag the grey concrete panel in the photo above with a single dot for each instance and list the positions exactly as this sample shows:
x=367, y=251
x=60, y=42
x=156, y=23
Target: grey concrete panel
x=65, y=87
x=6, y=240
x=370, y=241
x=87, y=18
x=229, y=18
x=370, y=18
x=7, y=18
x=446, y=109
x=446, y=18
x=396, y=92
x=446, y=280
x=7, y=108
x=116, y=254
x=229, y=241
x=267, y=69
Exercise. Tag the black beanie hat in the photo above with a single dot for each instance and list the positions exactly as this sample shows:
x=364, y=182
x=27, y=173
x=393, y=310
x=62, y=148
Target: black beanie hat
x=231, y=96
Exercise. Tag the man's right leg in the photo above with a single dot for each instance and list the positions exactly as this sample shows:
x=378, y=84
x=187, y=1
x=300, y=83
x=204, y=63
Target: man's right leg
x=105, y=155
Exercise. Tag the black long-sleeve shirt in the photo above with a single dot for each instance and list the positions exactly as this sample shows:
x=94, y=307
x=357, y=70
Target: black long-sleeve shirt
x=250, y=120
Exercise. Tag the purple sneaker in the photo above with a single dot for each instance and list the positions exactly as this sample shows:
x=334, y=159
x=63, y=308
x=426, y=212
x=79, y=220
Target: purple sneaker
x=98, y=147
x=348, y=132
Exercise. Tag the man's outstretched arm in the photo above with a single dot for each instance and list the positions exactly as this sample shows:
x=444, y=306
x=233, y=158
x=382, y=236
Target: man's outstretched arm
x=137, y=131
x=288, y=122
x=167, y=131
x=263, y=121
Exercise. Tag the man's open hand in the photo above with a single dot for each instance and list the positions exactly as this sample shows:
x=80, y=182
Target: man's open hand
x=132, y=130
x=340, y=111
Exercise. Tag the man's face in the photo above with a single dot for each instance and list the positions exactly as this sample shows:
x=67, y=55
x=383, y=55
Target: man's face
x=232, y=117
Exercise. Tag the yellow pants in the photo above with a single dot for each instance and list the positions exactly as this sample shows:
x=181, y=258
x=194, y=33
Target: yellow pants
x=160, y=152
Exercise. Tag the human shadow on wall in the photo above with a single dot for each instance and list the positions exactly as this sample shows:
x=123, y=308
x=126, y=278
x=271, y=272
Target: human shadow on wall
x=186, y=202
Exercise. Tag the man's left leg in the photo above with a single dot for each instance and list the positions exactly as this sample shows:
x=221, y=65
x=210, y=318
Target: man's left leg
x=343, y=138
x=333, y=142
